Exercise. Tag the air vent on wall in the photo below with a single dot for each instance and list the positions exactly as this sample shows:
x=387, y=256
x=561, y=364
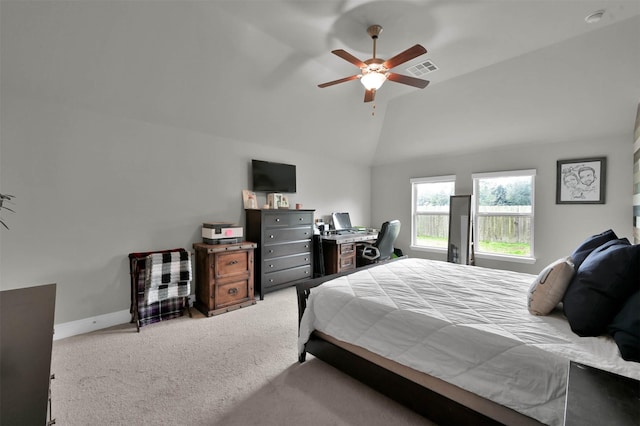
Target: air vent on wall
x=422, y=68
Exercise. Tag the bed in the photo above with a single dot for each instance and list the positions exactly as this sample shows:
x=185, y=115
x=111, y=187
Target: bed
x=455, y=343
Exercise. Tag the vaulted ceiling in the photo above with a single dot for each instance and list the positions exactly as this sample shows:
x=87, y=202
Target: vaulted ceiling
x=509, y=72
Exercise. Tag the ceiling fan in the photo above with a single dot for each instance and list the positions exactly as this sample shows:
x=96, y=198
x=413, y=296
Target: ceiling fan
x=375, y=71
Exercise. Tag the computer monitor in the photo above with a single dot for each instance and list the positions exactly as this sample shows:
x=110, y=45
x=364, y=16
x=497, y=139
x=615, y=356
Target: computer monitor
x=341, y=221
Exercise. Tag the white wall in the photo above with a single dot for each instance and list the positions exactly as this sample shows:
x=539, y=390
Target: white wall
x=558, y=228
x=91, y=188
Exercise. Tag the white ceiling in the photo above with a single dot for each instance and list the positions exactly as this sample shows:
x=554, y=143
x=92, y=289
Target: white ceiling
x=510, y=71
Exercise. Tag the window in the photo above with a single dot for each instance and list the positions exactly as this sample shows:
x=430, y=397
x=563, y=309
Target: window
x=430, y=211
x=503, y=220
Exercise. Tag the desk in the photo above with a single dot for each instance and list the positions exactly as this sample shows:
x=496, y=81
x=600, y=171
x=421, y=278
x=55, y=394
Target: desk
x=339, y=251
x=596, y=397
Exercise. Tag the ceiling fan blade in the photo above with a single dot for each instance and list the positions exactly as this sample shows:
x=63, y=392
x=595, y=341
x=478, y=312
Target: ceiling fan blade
x=342, y=80
x=349, y=57
x=369, y=95
x=407, y=55
x=405, y=79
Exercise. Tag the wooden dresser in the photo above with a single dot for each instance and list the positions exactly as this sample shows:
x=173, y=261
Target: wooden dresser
x=285, y=247
x=224, y=277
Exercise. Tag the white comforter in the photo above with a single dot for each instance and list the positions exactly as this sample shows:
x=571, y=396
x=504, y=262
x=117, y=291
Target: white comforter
x=464, y=324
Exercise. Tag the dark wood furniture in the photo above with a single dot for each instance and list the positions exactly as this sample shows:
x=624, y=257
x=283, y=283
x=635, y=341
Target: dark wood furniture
x=26, y=339
x=597, y=397
x=224, y=277
x=339, y=251
x=338, y=257
x=285, y=247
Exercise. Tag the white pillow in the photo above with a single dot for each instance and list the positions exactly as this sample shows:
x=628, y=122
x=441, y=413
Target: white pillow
x=549, y=287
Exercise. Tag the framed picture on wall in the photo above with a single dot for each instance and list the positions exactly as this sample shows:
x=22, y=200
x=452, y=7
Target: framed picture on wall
x=581, y=181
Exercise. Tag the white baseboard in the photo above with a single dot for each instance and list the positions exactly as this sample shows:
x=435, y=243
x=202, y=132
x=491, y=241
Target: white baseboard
x=87, y=325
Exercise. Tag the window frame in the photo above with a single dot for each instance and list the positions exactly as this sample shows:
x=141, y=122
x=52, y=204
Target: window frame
x=476, y=177
x=414, y=182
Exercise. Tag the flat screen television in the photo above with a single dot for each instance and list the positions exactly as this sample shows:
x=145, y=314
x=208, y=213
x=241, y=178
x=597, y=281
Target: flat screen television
x=268, y=176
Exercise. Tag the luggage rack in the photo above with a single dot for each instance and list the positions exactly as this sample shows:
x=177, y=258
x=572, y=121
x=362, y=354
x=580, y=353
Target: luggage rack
x=143, y=313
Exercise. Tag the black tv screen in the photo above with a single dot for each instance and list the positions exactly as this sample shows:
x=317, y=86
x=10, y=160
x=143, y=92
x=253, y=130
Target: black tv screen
x=273, y=177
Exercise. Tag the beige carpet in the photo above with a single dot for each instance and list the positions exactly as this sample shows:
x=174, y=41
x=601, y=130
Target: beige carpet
x=239, y=368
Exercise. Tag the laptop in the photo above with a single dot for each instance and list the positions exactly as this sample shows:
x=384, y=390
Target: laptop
x=342, y=222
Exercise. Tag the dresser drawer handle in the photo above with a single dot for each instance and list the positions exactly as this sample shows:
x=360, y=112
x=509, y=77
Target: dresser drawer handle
x=277, y=219
x=233, y=291
x=270, y=266
x=271, y=251
x=272, y=236
x=270, y=280
x=301, y=219
x=233, y=262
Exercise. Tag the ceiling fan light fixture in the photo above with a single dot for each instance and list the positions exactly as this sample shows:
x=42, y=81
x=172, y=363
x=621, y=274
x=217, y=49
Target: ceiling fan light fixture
x=373, y=80
x=375, y=71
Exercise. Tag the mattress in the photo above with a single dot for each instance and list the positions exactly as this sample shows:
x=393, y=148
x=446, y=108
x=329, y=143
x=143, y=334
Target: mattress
x=466, y=325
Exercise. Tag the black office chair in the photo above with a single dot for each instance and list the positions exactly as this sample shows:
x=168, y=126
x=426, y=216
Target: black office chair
x=382, y=248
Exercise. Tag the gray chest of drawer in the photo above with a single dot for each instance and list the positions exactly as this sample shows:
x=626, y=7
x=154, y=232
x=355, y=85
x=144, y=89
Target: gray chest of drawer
x=285, y=247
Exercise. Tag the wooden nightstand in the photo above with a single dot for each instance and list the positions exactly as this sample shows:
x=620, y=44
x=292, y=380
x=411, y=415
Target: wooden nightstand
x=224, y=277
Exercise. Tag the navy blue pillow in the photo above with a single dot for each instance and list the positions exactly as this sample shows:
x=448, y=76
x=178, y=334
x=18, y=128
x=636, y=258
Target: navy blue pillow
x=625, y=328
x=602, y=284
x=593, y=242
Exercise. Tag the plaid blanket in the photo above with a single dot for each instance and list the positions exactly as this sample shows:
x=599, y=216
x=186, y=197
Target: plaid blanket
x=167, y=275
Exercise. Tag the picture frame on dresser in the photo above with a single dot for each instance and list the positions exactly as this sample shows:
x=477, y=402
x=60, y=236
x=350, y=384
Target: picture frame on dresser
x=274, y=200
x=581, y=181
x=249, y=199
